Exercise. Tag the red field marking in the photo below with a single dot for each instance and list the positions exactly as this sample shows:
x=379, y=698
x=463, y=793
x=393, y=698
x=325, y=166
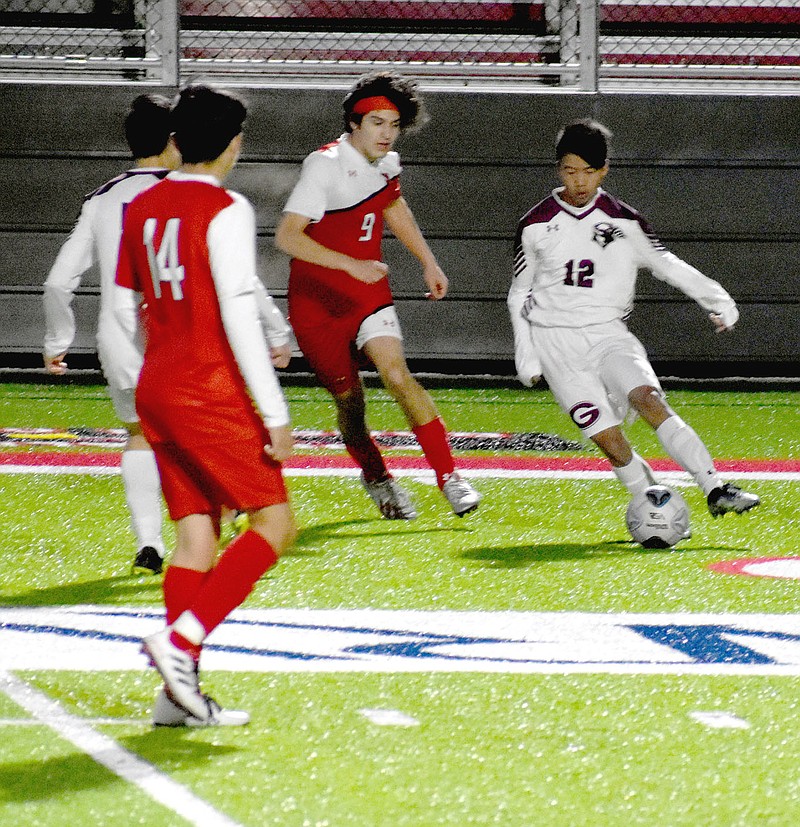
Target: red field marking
x=111, y=459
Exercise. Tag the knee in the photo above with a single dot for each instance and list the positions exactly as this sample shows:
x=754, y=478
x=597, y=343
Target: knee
x=649, y=402
x=397, y=379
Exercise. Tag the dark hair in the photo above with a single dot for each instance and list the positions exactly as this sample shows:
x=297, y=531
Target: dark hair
x=205, y=120
x=148, y=126
x=402, y=92
x=587, y=139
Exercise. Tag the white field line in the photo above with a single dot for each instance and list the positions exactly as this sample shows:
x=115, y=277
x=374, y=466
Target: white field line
x=107, y=752
x=425, y=475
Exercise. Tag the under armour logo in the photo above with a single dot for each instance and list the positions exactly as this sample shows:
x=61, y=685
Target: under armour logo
x=352, y=173
x=553, y=228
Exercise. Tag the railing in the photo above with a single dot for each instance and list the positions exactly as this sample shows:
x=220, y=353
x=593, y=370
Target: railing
x=571, y=43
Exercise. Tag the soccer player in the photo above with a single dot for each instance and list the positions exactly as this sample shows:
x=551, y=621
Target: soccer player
x=576, y=257
x=209, y=401
x=95, y=239
x=340, y=300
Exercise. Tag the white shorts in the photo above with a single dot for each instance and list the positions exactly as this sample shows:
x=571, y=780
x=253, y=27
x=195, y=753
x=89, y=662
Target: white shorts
x=383, y=322
x=592, y=370
x=121, y=362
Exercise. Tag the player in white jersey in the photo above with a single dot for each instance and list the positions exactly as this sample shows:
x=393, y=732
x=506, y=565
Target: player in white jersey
x=576, y=257
x=95, y=240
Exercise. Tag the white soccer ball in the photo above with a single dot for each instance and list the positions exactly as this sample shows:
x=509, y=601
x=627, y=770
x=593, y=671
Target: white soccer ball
x=658, y=517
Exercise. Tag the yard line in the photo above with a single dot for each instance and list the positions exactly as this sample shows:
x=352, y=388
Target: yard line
x=113, y=756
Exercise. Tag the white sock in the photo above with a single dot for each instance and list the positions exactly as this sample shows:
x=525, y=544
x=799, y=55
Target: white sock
x=636, y=475
x=188, y=626
x=687, y=449
x=143, y=495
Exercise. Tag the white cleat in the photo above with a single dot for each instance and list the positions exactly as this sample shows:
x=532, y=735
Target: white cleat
x=179, y=671
x=462, y=497
x=168, y=713
x=392, y=500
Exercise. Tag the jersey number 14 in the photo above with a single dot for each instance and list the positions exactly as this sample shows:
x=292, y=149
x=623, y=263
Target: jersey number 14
x=164, y=263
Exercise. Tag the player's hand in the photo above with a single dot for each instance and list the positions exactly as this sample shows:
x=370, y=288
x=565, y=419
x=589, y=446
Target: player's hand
x=368, y=271
x=280, y=355
x=281, y=443
x=725, y=319
x=56, y=364
x=437, y=282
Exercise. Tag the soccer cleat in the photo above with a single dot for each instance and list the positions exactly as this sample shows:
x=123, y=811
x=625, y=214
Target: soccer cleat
x=392, y=501
x=179, y=671
x=730, y=497
x=462, y=497
x=148, y=561
x=167, y=713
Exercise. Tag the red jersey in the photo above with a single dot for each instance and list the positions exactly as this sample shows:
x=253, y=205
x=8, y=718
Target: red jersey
x=165, y=256
x=344, y=196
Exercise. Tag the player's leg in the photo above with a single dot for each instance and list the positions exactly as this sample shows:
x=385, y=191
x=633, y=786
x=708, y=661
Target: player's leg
x=627, y=370
x=121, y=363
x=143, y=496
x=386, y=353
x=628, y=467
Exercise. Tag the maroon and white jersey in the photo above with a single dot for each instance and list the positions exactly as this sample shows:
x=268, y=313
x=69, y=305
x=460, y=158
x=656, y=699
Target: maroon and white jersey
x=95, y=240
x=344, y=196
x=577, y=266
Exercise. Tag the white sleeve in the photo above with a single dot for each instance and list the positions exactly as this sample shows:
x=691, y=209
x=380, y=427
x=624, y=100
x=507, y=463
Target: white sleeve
x=308, y=198
x=275, y=327
x=525, y=358
x=74, y=258
x=232, y=254
x=667, y=267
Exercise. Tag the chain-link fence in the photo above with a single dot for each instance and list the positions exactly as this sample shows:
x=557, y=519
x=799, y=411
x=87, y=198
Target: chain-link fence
x=571, y=42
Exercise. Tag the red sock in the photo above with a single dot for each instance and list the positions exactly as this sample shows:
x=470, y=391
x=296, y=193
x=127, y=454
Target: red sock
x=180, y=588
x=368, y=458
x=432, y=438
x=227, y=585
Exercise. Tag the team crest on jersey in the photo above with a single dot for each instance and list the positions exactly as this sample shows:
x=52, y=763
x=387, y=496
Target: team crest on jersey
x=605, y=233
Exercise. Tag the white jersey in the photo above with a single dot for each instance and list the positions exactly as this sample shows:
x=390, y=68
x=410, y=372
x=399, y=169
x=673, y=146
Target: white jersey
x=577, y=266
x=95, y=239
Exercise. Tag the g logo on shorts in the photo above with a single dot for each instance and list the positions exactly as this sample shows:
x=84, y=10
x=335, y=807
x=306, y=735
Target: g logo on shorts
x=584, y=414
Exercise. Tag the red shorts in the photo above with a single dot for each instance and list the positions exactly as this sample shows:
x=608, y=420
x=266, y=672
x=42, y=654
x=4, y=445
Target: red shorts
x=330, y=349
x=206, y=462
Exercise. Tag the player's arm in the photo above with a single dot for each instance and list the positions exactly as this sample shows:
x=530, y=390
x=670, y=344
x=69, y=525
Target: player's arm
x=707, y=292
x=74, y=258
x=274, y=325
x=526, y=361
x=232, y=254
x=401, y=222
x=292, y=239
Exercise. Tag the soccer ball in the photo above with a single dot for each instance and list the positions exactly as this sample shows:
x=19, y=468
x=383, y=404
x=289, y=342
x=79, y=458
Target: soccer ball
x=658, y=517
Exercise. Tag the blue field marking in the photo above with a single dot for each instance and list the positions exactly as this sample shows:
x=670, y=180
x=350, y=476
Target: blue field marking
x=283, y=640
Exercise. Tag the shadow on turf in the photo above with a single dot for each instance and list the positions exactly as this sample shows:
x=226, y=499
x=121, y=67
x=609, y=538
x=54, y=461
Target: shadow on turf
x=38, y=780
x=111, y=590
x=309, y=538
x=513, y=557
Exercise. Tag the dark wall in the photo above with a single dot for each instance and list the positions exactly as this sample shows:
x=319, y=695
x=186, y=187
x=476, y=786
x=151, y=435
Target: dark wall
x=718, y=177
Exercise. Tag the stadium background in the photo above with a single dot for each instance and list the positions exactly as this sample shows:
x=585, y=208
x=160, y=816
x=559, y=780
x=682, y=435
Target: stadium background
x=702, y=98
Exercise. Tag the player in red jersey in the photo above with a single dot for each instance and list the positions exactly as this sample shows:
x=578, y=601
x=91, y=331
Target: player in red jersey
x=208, y=398
x=340, y=301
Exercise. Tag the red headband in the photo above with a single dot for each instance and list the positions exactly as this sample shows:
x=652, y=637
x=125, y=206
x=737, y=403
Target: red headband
x=376, y=103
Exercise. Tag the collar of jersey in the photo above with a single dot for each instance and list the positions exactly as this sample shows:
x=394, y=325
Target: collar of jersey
x=351, y=151
x=578, y=212
x=178, y=175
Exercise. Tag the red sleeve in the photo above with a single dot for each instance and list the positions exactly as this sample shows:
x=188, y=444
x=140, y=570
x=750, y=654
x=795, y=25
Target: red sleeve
x=126, y=273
